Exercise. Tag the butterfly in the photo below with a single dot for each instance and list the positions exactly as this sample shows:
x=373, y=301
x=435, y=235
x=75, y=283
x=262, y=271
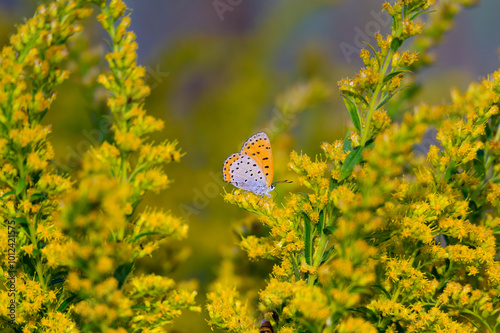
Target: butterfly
x=252, y=169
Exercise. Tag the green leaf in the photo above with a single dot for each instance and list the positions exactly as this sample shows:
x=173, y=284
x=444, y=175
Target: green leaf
x=479, y=168
x=450, y=171
x=134, y=206
x=122, y=272
x=36, y=196
x=383, y=290
x=347, y=146
x=420, y=13
x=374, y=53
x=307, y=239
x=296, y=270
x=355, y=94
x=435, y=273
x=23, y=223
x=488, y=131
x=327, y=253
x=328, y=230
x=8, y=193
x=144, y=235
x=393, y=74
x=66, y=302
x=353, y=159
x=321, y=221
x=333, y=184
x=365, y=311
x=353, y=112
x=388, y=97
x=58, y=275
x=55, y=281
x=20, y=186
x=140, y=307
x=396, y=43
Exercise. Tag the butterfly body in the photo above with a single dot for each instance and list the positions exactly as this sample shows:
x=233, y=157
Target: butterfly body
x=252, y=169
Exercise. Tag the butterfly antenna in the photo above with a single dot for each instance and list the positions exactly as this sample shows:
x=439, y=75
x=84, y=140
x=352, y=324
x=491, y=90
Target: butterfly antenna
x=281, y=181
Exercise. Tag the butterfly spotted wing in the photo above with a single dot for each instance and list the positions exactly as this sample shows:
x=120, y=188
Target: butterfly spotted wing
x=244, y=172
x=258, y=147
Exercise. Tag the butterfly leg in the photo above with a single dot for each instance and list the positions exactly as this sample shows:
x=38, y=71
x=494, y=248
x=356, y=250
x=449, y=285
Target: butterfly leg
x=260, y=199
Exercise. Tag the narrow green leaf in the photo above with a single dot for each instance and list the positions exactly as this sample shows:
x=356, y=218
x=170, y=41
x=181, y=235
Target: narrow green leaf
x=20, y=220
x=307, y=239
x=23, y=223
x=139, y=307
x=393, y=74
x=355, y=94
x=450, y=171
x=365, y=311
x=60, y=274
x=420, y=13
x=395, y=44
x=383, y=290
x=488, y=131
x=326, y=255
x=55, y=281
x=479, y=168
x=8, y=193
x=36, y=196
x=435, y=273
x=350, y=162
x=321, y=221
x=353, y=112
x=333, y=184
x=144, y=235
x=347, y=146
x=122, y=272
x=388, y=97
x=296, y=270
x=20, y=186
x=374, y=53
x=39, y=214
x=66, y=302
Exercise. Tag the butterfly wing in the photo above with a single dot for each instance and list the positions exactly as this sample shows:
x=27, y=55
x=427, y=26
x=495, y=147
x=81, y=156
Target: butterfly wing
x=243, y=172
x=258, y=147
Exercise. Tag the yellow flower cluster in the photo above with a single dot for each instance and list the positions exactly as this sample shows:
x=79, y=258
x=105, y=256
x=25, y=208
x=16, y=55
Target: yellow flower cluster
x=381, y=79
x=74, y=268
x=106, y=233
x=31, y=67
x=228, y=312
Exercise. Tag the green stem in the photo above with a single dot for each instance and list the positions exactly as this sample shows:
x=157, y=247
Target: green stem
x=479, y=318
x=31, y=225
x=295, y=265
x=375, y=98
x=318, y=255
x=34, y=241
x=395, y=296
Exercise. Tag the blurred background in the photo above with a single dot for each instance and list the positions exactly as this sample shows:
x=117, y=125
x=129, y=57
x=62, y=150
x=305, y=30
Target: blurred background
x=222, y=70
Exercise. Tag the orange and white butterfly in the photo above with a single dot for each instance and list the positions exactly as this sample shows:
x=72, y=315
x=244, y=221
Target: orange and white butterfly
x=252, y=169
